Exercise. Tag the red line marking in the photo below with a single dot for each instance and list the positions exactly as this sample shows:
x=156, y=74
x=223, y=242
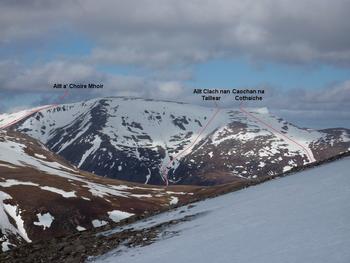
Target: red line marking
x=35, y=111
x=64, y=95
x=165, y=170
x=25, y=116
x=277, y=131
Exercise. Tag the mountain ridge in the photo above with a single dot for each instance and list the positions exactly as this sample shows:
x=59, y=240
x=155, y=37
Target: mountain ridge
x=134, y=139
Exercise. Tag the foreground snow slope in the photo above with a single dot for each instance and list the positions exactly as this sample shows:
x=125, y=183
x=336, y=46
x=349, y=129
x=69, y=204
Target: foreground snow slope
x=300, y=218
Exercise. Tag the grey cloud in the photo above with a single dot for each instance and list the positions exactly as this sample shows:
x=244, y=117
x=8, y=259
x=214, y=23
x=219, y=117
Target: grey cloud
x=158, y=33
x=332, y=98
x=15, y=79
x=15, y=76
x=335, y=97
x=319, y=108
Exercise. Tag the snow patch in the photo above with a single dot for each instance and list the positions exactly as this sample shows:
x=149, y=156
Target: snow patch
x=40, y=156
x=12, y=182
x=59, y=191
x=45, y=220
x=80, y=228
x=98, y=223
x=117, y=215
x=173, y=200
x=148, y=176
x=95, y=146
x=15, y=213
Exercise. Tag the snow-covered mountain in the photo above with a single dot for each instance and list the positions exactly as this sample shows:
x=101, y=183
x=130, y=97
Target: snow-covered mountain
x=43, y=196
x=299, y=218
x=150, y=141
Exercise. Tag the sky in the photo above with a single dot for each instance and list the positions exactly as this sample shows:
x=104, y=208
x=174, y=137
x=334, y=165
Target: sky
x=297, y=51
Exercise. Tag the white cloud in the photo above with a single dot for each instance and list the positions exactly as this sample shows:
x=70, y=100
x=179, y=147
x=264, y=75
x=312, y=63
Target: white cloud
x=170, y=89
